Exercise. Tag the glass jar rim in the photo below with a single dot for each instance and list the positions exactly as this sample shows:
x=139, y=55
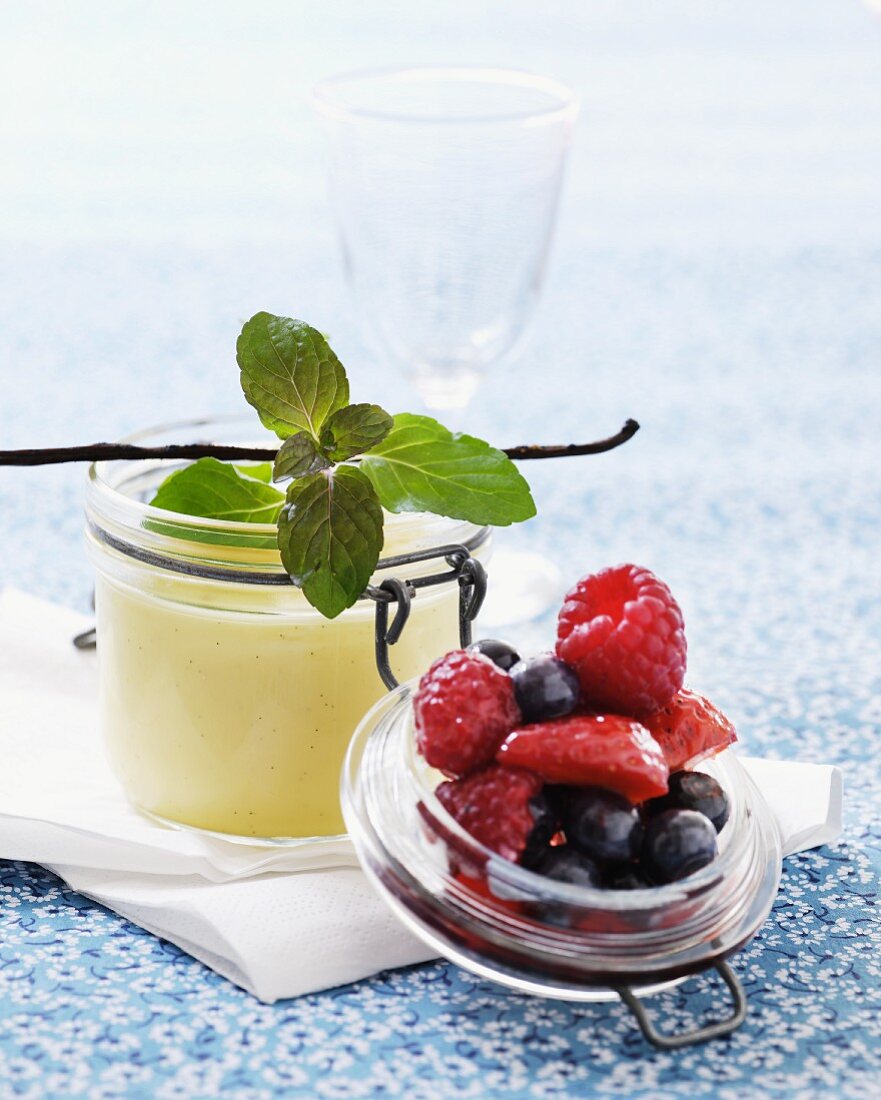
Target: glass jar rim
x=328, y=95
x=101, y=483
x=128, y=524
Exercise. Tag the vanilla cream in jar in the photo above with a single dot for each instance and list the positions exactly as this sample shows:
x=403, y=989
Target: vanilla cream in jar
x=227, y=701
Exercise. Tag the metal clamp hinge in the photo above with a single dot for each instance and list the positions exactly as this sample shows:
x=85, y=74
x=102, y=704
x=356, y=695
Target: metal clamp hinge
x=471, y=578
x=697, y=1035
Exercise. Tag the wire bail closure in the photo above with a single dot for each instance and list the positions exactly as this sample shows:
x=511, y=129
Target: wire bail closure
x=466, y=570
x=709, y=1031
x=471, y=578
x=463, y=568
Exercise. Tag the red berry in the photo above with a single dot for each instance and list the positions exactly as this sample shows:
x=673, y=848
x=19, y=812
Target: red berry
x=622, y=632
x=464, y=708
x=689, y=729
x=493, y=806
x=591, y=750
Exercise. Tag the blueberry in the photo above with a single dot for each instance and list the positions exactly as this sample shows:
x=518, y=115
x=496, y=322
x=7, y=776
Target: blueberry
x=565, y=864
x=500, y=653
x=624, y=876
x=545, y=687
x=546, y=823
x=602, y=824
x=693, y=791
x=677, y=843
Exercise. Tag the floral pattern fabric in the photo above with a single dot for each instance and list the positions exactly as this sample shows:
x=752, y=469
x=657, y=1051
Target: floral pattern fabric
x=754, y=489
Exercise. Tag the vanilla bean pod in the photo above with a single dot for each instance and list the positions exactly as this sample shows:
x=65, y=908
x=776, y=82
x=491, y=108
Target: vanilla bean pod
x=111, y=452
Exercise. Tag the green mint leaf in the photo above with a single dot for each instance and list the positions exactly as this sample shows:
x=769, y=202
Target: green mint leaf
x=262, y=471
x=353, y=430
x=420, y=466
x=330, y=536
x=216, y=490
x=298, y=455
x=289, y=374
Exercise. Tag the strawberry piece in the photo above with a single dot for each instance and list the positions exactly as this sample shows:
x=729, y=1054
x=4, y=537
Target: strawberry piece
x=689, y=729
x=464, y=707
x=591, y=750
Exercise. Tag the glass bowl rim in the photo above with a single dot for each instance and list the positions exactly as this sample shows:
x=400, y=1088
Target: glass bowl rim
x=594, y=942
x=742, y=831
x=521, y=880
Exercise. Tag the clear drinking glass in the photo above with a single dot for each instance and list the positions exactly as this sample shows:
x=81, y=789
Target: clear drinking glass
x=445, y=184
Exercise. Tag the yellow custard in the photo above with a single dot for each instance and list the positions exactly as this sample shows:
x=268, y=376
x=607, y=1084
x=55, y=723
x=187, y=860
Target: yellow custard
x=227, y=704
x=239, y=722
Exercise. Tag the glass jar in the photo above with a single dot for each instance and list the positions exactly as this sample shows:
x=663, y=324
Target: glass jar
x=531, y=933
x=227, y=701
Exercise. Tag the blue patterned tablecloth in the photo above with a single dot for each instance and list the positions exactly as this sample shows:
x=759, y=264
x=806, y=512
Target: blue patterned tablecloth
x=751, y=358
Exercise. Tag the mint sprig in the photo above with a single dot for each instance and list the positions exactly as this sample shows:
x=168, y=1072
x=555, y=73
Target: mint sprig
x=289, y=374
x=421, y=466
x=218, y=490
x=298, y=456
x=345, y=464
x=354, y=430
x=262, y=471
x=330, y=536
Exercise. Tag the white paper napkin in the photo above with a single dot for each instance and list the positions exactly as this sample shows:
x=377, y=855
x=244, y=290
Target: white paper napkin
x=806, y=800
x=276, y=935
x=278, y=922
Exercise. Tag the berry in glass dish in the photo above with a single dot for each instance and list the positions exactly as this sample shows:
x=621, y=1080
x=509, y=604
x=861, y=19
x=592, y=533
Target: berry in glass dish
x=677, y=843
x=502, y=655
x=545, y=687
x=622, y=631
x=693, y=791
x=495, y=806
x=546, y=825
x=564, y=863
x=464, y=708
x=689, y=728
x=601, y=750
x=627, y=876
x=602, y=824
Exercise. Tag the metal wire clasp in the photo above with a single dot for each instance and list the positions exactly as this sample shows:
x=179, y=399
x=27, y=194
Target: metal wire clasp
x=471, y=578
x=466, y=570
x=696, y=1035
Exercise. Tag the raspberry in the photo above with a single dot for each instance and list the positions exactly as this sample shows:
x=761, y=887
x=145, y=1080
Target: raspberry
x=464, y=708
x=622, y=632
x=689, y=729
x=591, y=750
x=493, y=805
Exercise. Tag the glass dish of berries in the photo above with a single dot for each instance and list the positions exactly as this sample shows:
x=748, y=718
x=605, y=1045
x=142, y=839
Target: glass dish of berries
x=568, y=823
